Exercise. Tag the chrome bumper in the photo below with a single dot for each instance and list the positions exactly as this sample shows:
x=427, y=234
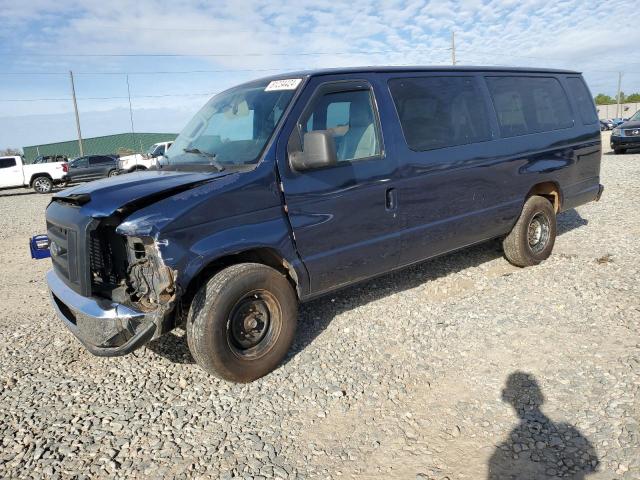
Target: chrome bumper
x=105, y=328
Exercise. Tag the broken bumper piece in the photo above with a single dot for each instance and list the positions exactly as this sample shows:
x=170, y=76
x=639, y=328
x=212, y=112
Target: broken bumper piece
x=105, y=328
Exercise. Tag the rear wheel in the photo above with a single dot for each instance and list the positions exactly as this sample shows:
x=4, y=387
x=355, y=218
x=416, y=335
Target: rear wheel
x=42, y=184
x=532, y=238
x=618, y=151
x=242, y=322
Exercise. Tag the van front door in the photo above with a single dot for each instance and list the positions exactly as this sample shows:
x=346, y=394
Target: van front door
x=344, y=217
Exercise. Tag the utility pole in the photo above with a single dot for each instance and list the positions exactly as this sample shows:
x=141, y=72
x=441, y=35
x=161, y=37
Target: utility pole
x=133, y=133
x=453, y=47
x=75, y=107
x=618, y=97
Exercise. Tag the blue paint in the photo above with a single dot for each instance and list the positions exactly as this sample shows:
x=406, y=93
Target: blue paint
x=340, y=225
x=39, y=247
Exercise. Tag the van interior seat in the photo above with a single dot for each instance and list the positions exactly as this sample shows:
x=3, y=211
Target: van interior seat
x=360, y=140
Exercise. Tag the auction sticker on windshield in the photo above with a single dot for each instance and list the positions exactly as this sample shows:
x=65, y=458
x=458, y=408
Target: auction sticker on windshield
x=287, y=84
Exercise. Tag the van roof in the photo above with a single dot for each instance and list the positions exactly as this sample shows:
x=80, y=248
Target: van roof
x=417, y=68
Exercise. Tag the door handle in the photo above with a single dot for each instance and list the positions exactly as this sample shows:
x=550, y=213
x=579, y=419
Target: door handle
x=391, y=200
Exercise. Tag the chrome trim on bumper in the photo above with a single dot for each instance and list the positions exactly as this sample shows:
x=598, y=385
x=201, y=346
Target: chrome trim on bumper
x=104, y=327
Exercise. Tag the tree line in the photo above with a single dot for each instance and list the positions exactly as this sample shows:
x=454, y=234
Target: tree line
x=602, y=99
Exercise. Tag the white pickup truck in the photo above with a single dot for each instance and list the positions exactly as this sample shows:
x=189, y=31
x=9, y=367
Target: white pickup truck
x=138, y=161
x=41, y=176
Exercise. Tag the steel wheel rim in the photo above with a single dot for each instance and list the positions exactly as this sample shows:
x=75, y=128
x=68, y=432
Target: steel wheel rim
x=254, y=325
x=41, y=185
x=538, y=232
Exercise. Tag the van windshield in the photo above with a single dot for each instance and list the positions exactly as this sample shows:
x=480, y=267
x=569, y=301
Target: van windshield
x=232, y=128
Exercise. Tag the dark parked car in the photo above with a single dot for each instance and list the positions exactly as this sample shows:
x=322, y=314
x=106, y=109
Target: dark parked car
x=626, y=135
x=50, y=159
x=606, y=125
x=93, y=167
x=284, y=189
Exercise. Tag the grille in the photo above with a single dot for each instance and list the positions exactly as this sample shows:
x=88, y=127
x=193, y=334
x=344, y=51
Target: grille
x=107, y=260
x=632, y=132
x=62, y=244
x=100, y=261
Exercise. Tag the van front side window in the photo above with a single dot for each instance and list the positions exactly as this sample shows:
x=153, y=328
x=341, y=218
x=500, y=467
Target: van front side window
x=350, y=119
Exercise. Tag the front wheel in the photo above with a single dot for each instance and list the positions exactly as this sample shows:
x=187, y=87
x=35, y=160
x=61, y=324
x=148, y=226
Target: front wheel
x=618, y=151
x=242, y=322
x=532, y=237
x=112, y=173
x=43, y=185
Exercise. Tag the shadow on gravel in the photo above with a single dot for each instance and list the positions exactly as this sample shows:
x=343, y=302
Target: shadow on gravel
x=22, y=192
x=630, y=151
x=538, y=448
x=316, y=315
x=570, y=220
x=18, y=194
x=173, y=347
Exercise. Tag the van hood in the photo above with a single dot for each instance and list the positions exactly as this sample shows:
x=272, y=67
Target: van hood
x=103, y=198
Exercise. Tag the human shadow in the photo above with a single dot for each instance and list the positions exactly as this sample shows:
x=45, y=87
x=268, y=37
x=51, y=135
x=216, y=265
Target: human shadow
x=538, y=448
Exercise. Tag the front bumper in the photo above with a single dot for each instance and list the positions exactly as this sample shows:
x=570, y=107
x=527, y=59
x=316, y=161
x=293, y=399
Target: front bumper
x=625, y=142
x=105, y=328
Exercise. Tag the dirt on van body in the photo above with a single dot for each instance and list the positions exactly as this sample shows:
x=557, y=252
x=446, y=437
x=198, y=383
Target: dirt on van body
x=463, y=367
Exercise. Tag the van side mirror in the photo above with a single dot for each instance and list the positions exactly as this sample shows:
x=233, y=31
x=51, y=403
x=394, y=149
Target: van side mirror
x=318, y=151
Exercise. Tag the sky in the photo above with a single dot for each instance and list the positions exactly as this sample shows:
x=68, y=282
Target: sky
x=175, y=54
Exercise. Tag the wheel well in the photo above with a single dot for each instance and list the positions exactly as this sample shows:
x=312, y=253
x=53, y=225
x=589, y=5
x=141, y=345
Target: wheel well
x=550, y=191
x=36, y=175
x=265, y=256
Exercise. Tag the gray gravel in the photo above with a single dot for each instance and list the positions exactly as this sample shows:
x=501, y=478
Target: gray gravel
x=434, y=372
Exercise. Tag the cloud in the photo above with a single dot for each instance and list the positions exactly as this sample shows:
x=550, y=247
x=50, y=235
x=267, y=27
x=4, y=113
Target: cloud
x=288, y=35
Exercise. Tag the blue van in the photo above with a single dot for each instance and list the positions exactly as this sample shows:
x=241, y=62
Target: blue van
x=289, y=187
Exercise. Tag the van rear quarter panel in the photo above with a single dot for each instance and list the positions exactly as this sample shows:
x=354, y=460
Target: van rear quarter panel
x=457, y=196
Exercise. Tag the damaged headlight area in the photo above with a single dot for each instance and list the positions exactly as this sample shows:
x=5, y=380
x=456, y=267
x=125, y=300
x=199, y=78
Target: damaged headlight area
x=129, y=270
x=149, y=282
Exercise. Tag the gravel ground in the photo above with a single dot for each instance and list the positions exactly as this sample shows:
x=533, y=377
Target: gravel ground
x=445, y=370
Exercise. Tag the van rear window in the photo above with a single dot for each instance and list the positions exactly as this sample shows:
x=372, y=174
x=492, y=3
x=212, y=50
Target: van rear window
x=438, y=112
x=529, y=104
x=583, y=98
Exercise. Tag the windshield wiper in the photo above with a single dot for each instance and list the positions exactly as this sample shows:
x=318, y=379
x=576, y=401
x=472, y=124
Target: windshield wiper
x=211, y=156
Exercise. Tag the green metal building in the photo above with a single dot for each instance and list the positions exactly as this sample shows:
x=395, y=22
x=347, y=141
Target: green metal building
x=109, y=144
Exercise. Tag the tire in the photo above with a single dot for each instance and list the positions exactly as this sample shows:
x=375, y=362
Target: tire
x=532, y=238
x=618, y=151
x=112, y=173
x=42, y=184
x=218, y=332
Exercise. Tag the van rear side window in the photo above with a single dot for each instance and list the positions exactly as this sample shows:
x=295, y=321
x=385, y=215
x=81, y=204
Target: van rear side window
x=438, y=112
x=583, y=98
x=529, y=104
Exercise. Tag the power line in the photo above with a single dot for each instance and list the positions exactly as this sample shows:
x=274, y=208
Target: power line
x=253, y=54
x=148, y=72
x=66, y=99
